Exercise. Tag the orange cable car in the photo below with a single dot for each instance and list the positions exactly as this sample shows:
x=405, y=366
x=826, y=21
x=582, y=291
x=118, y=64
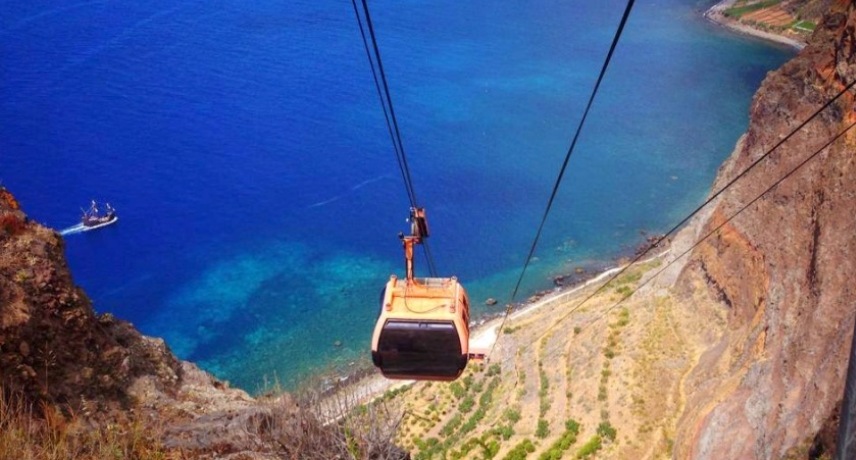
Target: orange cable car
x=422, y=331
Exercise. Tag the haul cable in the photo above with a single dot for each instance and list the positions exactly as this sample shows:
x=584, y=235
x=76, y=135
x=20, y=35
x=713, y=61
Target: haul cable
x=683, y=221
x=717, y=228
x=558, y=182
x=391, y=121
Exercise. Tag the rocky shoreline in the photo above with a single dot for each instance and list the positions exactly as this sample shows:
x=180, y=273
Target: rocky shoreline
x=362, y=385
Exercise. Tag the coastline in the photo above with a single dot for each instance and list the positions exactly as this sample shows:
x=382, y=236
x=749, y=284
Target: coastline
x=367, y=386
x=716, y=14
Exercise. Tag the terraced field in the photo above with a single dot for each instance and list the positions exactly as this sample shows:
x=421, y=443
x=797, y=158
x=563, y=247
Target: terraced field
x=601, y=380
x=774, y=16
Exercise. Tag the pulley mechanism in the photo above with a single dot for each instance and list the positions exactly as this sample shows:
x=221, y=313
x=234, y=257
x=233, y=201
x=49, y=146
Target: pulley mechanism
x=418, y=231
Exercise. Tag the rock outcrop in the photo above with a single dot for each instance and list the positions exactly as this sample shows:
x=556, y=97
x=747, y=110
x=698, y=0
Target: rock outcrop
x=58, y=356
x=53, y=347
x=783, y=268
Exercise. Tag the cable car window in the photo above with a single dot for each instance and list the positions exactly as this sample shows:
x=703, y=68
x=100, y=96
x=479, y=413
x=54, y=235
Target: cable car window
x=420, y=349
x=420, y=337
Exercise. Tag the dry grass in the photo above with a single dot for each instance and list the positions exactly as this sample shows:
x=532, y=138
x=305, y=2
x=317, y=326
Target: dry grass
x=310, y=429
x=337, y=426
x=46, y=433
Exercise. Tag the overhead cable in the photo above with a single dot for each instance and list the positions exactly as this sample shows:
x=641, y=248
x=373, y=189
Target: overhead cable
x=564, y=166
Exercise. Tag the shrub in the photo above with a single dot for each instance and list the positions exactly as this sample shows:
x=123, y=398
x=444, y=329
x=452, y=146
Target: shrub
x=504, y=431
x=494, y=369
x=568, y=438
x=623, y=291
x=588, y=449
x=451, y=425
x=543, y=429
x=521, y=450
x=544, y=407
x=467, y=404
x=572, y=426
x=512, y=415
x=457, y=390
x=606, y=430
x=490, y=449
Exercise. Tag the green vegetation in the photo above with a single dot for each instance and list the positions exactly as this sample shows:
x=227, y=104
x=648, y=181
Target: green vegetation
x=568, y=438
x=631, y=277
x=544, y=390
x=543, y=429
x=805, y=25
x=426, y=445
x=521, y=450
x=623, y=291
x=457, y=390
x=503, y=431
x=739, y=11
x=451, y=431
x=572, y=426
x=467, y=404
x=544, y=393
x=451, y=425
x=623, y=317
x=390, y=394
x=606, y=431
x=625, y=284
x=512, y=415
x=489, y=448
x=588, y=449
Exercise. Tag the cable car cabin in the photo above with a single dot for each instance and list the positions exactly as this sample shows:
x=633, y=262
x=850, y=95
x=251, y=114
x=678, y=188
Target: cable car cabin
x=423, y=331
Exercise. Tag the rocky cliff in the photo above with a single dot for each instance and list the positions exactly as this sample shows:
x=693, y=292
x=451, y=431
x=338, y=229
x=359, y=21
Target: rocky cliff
x=783, y=269
x=53, y=347
x=95, y=387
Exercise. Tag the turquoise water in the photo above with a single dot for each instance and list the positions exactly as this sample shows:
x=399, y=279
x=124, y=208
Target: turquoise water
x=259, y=199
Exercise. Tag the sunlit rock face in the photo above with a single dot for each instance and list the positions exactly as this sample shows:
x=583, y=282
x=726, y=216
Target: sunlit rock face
x=784, y=268
x=53, y=347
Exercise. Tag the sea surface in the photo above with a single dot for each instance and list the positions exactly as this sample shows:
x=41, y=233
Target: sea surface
x=259, y=197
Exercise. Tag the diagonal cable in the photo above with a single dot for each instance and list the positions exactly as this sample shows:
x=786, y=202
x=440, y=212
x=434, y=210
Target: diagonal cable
x=683, y=221
x=716, y=229
x=558, y=182
x=391, y=120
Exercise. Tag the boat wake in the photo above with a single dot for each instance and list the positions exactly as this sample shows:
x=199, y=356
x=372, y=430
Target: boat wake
x=72, y=230
x=82, y=228
x=352, y=190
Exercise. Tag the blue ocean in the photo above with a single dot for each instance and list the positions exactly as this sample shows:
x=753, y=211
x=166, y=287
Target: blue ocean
x=259, y=199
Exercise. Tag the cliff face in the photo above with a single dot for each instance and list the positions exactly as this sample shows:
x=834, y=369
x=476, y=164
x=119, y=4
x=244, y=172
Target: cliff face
x=784, y=269
x=58, y=357
x=53, y=347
